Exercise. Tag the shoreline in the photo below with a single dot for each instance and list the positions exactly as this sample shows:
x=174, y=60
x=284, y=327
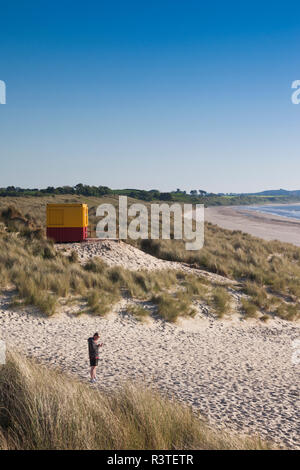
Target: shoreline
x=259, y=224
x=255, y=209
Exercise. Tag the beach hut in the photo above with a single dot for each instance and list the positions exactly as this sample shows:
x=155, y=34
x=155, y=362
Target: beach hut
x=67, y=222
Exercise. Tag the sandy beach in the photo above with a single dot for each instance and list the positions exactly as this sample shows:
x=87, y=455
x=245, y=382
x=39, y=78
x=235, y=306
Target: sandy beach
x=238, y=374
x=266, y=226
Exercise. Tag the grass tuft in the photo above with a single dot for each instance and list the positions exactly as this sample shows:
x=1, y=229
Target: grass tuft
x=220, y=301
x=138, y=312
x=249, y=308
x=170, y=307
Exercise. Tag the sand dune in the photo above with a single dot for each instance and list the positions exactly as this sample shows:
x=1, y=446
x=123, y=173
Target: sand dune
x=238, y=374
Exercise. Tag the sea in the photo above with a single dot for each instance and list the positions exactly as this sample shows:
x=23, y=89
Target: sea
x=292, y=211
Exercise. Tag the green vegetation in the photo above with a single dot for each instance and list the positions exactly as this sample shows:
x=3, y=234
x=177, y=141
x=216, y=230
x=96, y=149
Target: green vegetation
x=267, y=271
x=250, y=309
x=138, y=312
x=45, y=409
x=170, y=307
x=221, y=301
x=100, y=302
x=196, y=287
x=43, y=276
x=195, y=196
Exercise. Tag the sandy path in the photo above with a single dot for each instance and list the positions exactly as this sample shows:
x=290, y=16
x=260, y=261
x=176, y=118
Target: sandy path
x=266, y=226
x=238, y=374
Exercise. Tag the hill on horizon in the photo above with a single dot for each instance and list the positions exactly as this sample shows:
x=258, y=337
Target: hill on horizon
x=275, y=192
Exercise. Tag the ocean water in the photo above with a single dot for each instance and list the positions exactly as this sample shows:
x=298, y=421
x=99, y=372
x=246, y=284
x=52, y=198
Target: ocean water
x=292, y=211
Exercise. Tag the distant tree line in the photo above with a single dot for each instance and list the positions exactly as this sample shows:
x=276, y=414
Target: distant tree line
x=97, y=191
x=194, y=196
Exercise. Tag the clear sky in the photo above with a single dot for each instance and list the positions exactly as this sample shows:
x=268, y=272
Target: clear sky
x=160, y=94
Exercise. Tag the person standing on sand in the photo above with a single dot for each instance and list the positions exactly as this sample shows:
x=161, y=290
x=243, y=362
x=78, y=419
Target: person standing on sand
x=94, y=354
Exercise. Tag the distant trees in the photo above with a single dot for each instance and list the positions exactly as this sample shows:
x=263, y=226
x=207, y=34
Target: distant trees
x=50, y=190
x=193, y=192
x=210, y=199
x=86, y=190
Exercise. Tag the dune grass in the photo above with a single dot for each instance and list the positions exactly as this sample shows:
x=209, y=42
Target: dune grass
x=234, y=254
x=41, y=408
x=170, y=307
x=220, y=301
x=268, y=272
x=139, y=312
x=42, y=277
x=249, y=308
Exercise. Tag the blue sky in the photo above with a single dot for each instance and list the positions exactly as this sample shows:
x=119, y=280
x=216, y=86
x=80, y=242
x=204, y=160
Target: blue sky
x=160, y=94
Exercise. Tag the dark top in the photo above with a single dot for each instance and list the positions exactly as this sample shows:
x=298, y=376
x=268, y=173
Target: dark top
x=93, y=348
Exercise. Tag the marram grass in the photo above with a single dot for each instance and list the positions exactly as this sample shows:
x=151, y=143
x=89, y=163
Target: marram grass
x=42, y=408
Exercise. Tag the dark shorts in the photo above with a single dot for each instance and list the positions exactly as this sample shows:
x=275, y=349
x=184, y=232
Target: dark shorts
x=93, y=362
